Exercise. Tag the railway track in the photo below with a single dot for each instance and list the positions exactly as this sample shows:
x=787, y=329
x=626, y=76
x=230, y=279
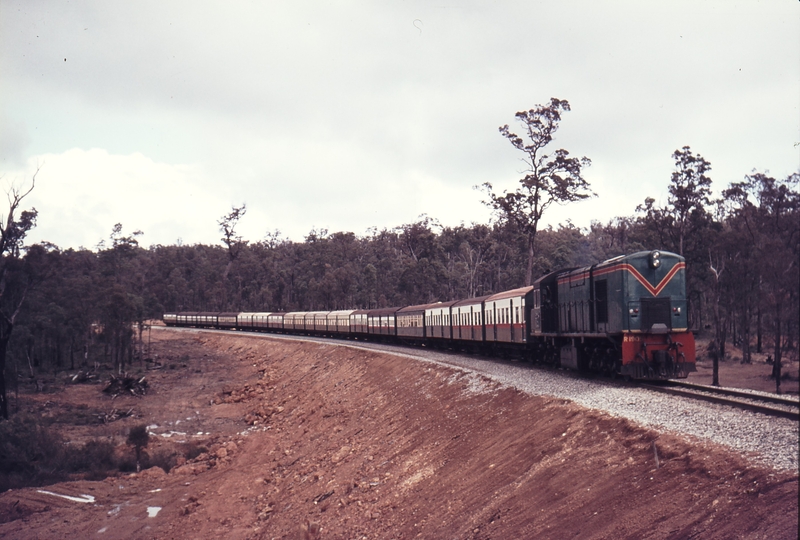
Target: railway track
x=772, y=405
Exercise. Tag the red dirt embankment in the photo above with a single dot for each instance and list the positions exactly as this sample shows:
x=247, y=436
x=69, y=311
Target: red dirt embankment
x=345, y=443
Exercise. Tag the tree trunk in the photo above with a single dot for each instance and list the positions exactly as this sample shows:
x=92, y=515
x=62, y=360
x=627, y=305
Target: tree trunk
x=3, y=397
x=758, y=329
x=718, y=351
x=531, y=256
x=776, y=367
x=715, y=363
x=746, y=355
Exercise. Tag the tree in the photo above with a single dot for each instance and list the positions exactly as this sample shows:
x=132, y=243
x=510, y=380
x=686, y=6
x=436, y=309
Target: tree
x=549, y=178
x=682, y=225
x=717, y=347
x=233, y=241
x=772, y=221
x=689, y=193
x=13, y=286
x=235, y=244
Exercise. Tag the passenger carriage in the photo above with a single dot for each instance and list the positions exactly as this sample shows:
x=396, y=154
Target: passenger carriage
x=294, y=320
x=438, y=321
x=382, y=322
x=227, y=320
x=411, y=322
x=467, y=319
x=338, y=322
x=275, y=321
x=359, y=325
x=504, y=315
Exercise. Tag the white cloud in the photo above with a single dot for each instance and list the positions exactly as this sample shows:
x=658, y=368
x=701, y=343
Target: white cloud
x=81, y=194
x=356, y=114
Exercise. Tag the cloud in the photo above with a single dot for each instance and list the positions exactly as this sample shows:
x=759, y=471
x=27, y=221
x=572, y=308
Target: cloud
x=81, y=194
x=356, y=114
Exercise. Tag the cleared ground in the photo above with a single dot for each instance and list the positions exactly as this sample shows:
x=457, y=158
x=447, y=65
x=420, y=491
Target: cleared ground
x=307, y=440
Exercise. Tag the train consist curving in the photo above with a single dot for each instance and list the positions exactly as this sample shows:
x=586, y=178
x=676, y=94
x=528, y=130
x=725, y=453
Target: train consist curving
x=625, y=316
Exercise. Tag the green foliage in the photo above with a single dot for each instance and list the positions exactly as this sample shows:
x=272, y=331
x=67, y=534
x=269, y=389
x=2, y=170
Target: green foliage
x=138, y=437
x=27, y=448
x=549, y=178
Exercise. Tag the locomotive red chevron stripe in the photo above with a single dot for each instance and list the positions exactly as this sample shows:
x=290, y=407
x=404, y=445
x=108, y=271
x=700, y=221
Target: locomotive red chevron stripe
x=654, y=290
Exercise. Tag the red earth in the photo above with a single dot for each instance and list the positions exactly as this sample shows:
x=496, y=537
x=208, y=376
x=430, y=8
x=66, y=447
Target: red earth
x=321, y=441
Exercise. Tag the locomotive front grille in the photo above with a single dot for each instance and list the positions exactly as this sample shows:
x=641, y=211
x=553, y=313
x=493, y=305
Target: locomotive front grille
x=655, y=311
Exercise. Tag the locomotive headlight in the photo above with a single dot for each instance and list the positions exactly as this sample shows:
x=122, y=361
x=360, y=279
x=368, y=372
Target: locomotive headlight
x=655, y=259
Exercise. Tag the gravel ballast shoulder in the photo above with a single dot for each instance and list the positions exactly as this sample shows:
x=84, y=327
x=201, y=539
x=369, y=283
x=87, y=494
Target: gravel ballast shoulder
x=764, y=439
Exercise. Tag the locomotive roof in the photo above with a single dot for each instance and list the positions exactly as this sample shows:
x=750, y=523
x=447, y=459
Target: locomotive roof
x=640, y=255
x=621, y=259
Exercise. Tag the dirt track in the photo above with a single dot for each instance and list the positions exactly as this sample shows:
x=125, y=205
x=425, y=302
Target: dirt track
x=360, y=445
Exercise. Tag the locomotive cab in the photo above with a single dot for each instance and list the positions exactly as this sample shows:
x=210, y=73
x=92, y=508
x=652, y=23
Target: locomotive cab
x=626, y=315
x=544, y=313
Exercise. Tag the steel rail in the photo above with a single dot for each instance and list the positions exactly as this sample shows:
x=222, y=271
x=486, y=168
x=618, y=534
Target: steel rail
x=737, y=392
x=730, y=397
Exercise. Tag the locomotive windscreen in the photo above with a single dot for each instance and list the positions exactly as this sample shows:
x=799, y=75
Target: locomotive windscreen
x=655, y=311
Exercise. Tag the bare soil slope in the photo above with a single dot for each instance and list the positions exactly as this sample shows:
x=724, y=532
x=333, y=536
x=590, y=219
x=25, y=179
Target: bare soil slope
x=304, y=440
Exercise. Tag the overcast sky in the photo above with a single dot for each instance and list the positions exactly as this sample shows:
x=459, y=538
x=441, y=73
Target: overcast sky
x=347, y=115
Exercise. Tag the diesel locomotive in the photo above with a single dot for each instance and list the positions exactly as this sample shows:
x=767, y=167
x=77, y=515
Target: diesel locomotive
x=625, y=316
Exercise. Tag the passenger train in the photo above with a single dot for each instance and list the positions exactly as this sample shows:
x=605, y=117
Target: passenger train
x=625, y=316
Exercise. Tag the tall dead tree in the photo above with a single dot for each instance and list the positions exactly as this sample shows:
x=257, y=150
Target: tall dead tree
x=13, y=285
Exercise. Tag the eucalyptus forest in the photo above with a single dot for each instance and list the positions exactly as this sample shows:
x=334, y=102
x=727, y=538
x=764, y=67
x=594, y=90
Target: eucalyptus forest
x=75, y=308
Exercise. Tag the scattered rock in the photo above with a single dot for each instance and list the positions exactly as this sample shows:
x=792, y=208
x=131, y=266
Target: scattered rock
x=343, y=452
x=153, y=472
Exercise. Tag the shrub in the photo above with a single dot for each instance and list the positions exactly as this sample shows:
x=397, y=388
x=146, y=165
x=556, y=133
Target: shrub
x=30, y=454
x=95, y=457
